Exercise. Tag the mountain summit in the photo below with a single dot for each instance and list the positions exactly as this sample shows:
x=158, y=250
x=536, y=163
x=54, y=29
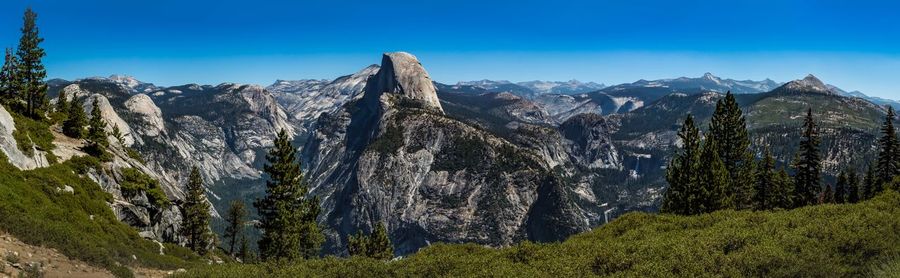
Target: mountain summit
x=810, y=83
x=711, y=77
x=402, y=74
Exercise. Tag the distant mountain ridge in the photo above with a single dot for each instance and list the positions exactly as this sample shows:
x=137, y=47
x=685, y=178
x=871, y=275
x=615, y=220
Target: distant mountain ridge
x=394, y=142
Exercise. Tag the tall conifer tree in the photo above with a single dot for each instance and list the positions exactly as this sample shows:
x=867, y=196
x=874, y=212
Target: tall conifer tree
x=96, y=126
x=62, y=103
x=870, y=185
x=97, y=138
x=888, y=154
x=681, y=174
x=713, y=180
x=244, y=253
x=808, y=167
x=235, y=220
x=195, y=224
x=376, y=245
x=73, y=126
x=729, y=129
x=31, y=72
x=287, y=216
x=9, y=81
x=853, y=192
x=766, y=179
x=783, y=194
x=827, y=196
x=840, y=188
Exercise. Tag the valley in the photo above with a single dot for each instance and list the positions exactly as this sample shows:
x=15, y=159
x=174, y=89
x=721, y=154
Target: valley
x=386, y=172
x=607, y=146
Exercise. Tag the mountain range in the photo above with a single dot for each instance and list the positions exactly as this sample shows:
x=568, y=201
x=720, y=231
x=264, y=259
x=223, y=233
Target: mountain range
x=493, y=163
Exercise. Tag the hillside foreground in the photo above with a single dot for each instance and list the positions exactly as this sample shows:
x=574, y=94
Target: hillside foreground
x=818, y=241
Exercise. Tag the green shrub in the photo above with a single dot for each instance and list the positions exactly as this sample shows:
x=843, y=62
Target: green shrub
x=389, y=142
x=136, y=181
x=889, y=269
x=11, y=257
x=31, y=134
x=815, y=241
x=133, y=154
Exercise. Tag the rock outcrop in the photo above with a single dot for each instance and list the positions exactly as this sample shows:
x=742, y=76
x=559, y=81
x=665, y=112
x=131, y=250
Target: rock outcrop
x=154, y=220
x=10, y=147
x=222, y=130
x=394, y=157
x=403, y=76
x=590, y=145
x=305, y=100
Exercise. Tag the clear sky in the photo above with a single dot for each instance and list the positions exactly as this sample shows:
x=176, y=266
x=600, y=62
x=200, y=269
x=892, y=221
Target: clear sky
x=852, y=44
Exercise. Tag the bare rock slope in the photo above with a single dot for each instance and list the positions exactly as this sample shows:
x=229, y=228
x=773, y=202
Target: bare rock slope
x=394, y=157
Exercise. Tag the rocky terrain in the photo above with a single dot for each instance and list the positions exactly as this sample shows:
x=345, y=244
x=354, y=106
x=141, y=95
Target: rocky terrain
x=21, y=259
x=155, y=219
x=395, y=157
x=306, y=100
x=529, y=89
x=221, y=129
x=487, y=162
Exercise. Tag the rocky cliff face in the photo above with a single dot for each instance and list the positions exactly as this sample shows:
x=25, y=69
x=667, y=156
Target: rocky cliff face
x=222, y=130
x=393, y=156
x=155, y=220
x=306, y=100
x=589, y=142
x=465, y=164
x=10, y=147
x=401, y=75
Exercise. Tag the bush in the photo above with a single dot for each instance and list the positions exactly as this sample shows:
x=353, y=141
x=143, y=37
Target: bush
x=135, y=181
x=890, y=269
x=815, y=241
x=133, y=154
x=389, y=142
x=31, y=134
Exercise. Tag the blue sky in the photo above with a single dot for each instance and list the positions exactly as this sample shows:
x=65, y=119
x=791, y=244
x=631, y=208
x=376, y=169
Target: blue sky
x=852, y=44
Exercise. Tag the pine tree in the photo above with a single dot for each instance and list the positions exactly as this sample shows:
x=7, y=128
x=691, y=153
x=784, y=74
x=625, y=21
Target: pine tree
x=377, y=245
x=807, y=180
x=96, y=126
x=681, y=172
x=195, y=223
x=62, y=103
x=287, y=217
x=380, y=246
x=9, y=86
x=888, y=158
x=853, y=192
x=116, y=133
x=766, y=178
x=73, y=126
x=729, y=129
x=827, y=196
x=870, y=186
x=840, y=188
x=357, y=244
x=31, y=72
x=713, y=180
x=96, y=133
x=244, y=253
x=783, y=193
x=235, y=220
